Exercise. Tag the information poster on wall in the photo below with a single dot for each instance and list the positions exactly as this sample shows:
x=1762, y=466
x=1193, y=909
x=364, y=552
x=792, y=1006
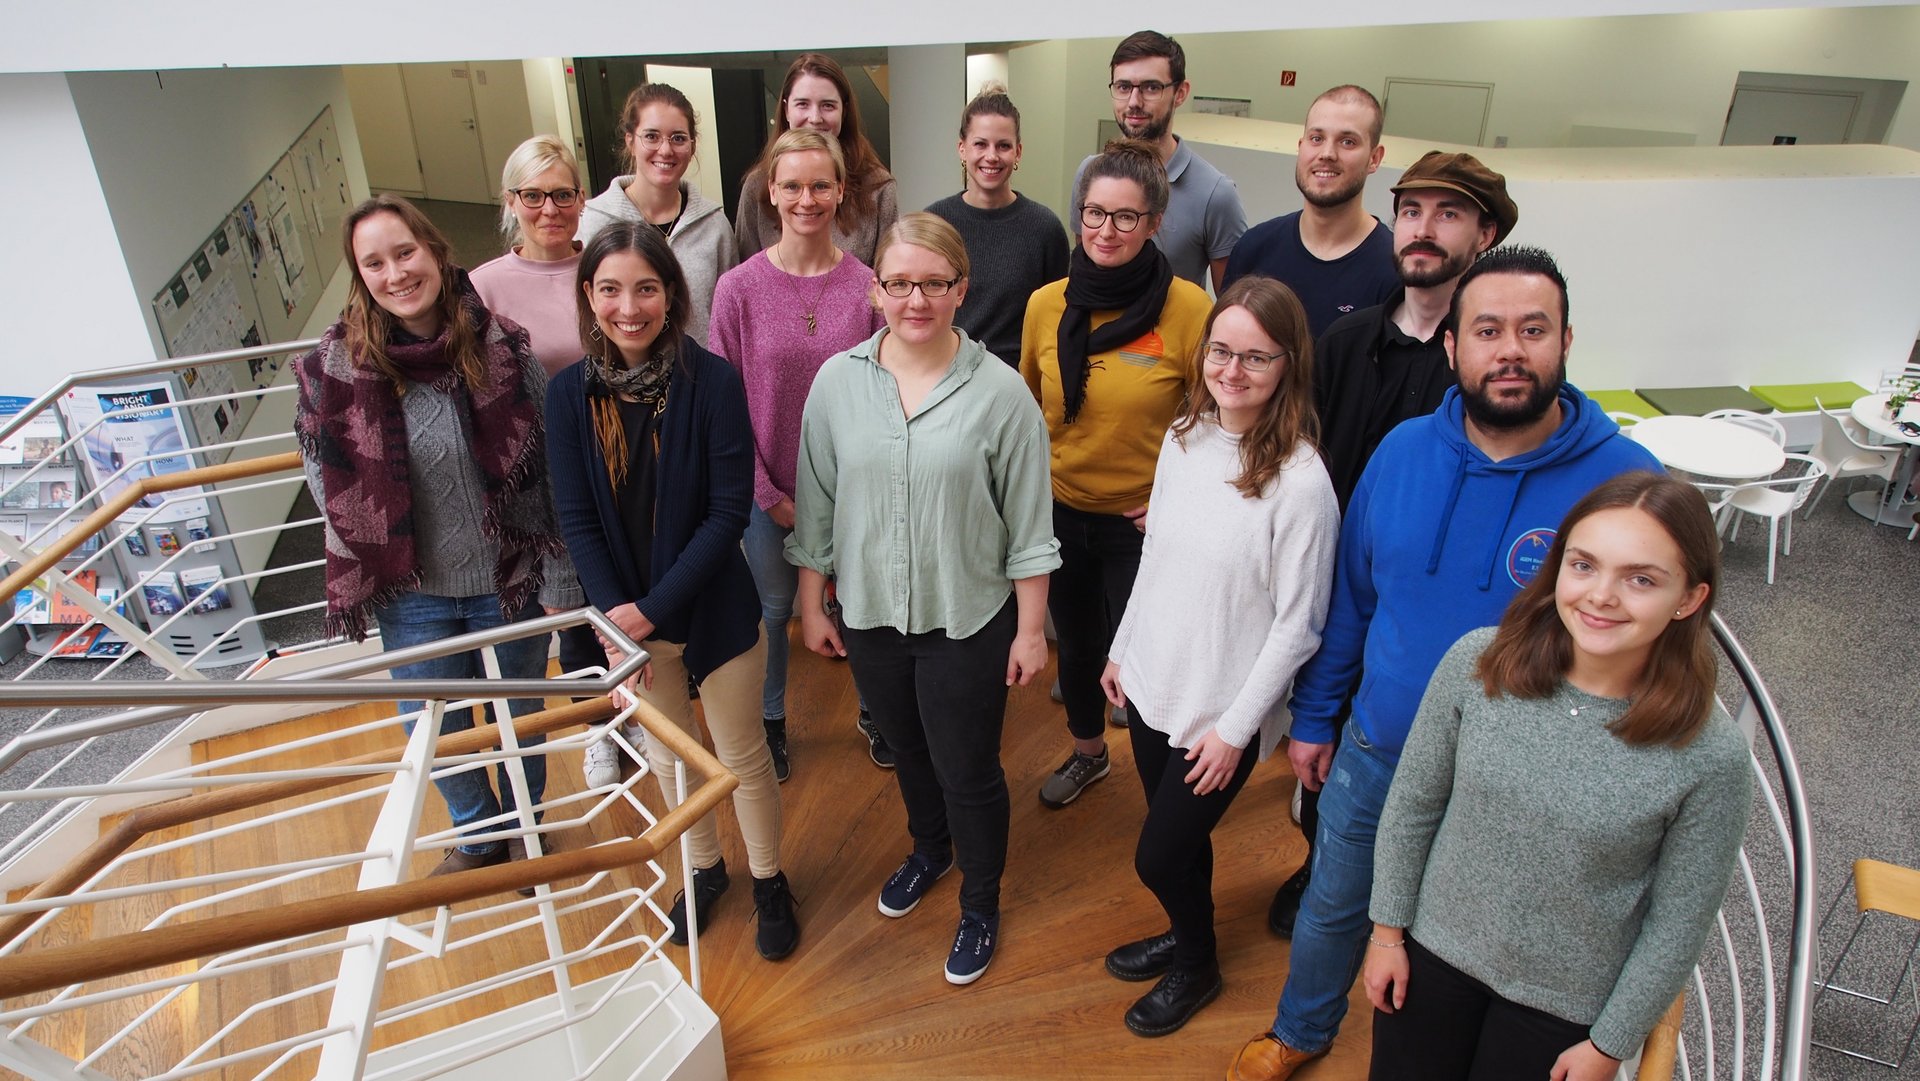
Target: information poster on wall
x=133, y=424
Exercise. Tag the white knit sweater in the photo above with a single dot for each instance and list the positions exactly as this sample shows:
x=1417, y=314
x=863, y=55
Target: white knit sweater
x=1232, y=593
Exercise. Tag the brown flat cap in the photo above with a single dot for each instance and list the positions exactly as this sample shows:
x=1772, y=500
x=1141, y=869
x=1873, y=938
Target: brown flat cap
x=1465, y=174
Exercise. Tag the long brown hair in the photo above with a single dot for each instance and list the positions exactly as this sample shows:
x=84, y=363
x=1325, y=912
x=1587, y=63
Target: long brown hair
x=1289, y=417
x=646, y=242
x=865, y=174
x=1532, y=651
x=369, y=326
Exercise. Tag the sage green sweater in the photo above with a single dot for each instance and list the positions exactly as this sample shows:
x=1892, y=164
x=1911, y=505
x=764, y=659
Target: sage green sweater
x=1530, y=848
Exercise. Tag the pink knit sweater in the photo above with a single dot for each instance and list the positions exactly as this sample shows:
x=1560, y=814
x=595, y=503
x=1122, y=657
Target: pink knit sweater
x=760, y=325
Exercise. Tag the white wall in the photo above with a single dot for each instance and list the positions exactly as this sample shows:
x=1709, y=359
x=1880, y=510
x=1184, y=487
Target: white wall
x=1686, y=266
x=924, y=108
x=380, y=114
x=71, y=305
x=175, y=151
x=1670, y=73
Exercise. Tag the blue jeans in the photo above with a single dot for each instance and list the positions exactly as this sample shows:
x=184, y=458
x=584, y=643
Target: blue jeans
x=414, y=619
x=1330, y=935
x=777, y=581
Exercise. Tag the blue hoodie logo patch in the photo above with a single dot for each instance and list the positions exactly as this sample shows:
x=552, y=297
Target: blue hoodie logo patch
x=1529, y=554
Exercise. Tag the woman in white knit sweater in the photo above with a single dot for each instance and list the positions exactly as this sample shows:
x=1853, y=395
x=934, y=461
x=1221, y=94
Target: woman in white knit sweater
x=1230, y=601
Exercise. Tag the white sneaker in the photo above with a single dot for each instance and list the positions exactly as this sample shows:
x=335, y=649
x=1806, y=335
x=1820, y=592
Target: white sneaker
x=605, y=759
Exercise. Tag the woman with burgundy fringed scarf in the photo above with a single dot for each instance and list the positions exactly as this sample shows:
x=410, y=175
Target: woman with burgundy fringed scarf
x=1107, y=352
x=420, y=425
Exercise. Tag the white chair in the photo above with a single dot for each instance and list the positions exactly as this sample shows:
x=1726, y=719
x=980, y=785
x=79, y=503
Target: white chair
x=1624, y=419
x=1845, y=454
x=1747, y=418
x=1775, y=500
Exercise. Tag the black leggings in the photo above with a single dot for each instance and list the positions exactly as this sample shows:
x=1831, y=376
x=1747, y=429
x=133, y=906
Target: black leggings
x=1455, y=1027
x=1175, y=856
x=1099, y=557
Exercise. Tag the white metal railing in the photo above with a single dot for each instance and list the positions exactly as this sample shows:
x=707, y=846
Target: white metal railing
x=341, y=975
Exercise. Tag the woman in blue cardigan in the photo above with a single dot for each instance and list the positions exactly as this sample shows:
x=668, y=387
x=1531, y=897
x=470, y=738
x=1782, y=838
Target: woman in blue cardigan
x=652, y=461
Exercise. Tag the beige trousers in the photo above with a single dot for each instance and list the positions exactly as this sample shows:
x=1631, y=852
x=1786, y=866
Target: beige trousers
x=730, y=696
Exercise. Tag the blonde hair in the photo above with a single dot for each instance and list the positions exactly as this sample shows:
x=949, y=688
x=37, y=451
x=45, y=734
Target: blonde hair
x=528, y=160
x=923, y=230
x=800, y=140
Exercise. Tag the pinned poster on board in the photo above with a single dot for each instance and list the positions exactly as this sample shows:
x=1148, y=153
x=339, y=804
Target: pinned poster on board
x=129, y=433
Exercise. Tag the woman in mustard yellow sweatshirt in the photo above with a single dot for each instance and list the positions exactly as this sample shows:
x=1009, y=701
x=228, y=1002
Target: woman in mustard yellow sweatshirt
x=1106, y=352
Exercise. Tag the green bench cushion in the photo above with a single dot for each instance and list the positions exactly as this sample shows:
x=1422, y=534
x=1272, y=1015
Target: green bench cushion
x=1799, y=397
x=1624, y=401
x=1699, y=401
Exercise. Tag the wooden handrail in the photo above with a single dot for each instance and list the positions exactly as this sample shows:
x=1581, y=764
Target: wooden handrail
x=132, y=494
x=202, y=805
x=1663, y=1044
x=118, y=955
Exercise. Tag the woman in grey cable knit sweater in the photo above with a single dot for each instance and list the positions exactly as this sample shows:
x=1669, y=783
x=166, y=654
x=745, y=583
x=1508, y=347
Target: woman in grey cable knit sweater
x=1567, y=813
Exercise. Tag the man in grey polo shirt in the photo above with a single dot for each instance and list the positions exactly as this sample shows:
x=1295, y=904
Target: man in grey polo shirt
x=1148, y=77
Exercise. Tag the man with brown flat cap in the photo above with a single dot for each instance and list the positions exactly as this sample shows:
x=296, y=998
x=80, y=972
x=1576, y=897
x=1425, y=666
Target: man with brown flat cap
x=1379, y=366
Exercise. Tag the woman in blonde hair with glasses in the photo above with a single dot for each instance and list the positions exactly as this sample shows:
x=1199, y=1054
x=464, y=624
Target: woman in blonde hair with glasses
x=1230, y=601
x=906, y=434
x=532, y=285
x=778, y=316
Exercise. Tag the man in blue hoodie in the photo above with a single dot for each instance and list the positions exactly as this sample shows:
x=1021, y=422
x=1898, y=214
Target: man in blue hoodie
x=1453, y=514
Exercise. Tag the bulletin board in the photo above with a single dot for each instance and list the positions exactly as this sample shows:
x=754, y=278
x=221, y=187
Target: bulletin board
x=257, y=278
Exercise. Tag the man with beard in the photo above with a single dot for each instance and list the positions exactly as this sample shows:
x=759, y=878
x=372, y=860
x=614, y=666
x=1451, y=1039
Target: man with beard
x=1379, y=366
x=1336, y=257
x=1148, y=79
x=1452, y=516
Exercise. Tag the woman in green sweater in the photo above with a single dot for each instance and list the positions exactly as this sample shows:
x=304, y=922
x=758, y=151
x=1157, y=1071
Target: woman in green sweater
x=1567, y=812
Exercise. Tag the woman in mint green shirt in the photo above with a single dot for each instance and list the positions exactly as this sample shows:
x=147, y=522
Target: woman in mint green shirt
x=924, y=460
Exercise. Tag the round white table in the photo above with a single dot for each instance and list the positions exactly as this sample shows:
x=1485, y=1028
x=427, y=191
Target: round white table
x=1888, y=506
x=1709, y=448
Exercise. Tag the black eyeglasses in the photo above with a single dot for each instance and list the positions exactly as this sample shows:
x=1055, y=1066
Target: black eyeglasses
x=534, y=198
x=1218, y=355
x=1152, y=88
x=931, y=288
x=1093, y=217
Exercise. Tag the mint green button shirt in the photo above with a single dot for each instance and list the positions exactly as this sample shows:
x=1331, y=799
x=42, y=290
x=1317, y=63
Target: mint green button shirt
x=924, y=522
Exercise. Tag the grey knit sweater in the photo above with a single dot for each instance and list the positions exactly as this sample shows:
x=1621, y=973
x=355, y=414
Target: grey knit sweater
x=456, y=557
x=1530, y=848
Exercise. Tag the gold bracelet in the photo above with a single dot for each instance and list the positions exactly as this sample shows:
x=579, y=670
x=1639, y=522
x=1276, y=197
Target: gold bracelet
x=1386, y=945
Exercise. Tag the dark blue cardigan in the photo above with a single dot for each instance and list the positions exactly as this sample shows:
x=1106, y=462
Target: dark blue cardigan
x=698, y=590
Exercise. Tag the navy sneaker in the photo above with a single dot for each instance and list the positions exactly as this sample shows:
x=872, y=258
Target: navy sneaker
x=877, y=748
x=903, y=891
x=972, y=947
x=708, y=884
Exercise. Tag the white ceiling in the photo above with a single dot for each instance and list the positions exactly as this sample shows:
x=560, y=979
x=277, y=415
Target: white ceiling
x=71, y=35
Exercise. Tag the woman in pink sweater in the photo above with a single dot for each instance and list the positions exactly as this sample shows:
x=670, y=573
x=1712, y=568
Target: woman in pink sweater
x=777, y=317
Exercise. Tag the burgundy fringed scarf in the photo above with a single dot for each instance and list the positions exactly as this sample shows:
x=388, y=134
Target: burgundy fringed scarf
x=350, y=424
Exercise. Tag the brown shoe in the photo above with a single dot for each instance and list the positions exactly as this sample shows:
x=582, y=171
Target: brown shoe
x=456, y=861
x=1265, y=1058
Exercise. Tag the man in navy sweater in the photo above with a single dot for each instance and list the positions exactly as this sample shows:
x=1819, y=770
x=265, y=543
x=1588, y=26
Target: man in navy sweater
x=1336, y=257
x=1453, y=514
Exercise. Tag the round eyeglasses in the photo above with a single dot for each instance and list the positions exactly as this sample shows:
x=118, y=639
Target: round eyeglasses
x=1093, y=217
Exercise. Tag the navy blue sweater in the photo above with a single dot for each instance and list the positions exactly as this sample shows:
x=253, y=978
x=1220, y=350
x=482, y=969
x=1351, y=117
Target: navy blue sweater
x=697, y=590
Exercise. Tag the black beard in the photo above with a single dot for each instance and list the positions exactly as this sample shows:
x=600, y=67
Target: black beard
x=1488, y=412
x=1153, y=132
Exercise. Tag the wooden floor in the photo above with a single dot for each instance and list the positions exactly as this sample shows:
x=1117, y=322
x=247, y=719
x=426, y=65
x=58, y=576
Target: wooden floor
x=864, y=995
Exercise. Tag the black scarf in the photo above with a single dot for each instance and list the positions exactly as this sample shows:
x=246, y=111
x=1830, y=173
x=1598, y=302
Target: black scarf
x=1137, y=289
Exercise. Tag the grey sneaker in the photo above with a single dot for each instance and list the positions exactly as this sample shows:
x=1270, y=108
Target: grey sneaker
x=1072, y=778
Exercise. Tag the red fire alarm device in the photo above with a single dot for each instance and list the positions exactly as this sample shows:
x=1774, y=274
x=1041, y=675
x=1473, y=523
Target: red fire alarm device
x=1287, y=78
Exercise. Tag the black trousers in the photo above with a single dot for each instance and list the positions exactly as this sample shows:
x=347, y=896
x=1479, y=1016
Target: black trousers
x=1174, y=858
x=1454, y=1026
x=1099, y=557
x=940, y=703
